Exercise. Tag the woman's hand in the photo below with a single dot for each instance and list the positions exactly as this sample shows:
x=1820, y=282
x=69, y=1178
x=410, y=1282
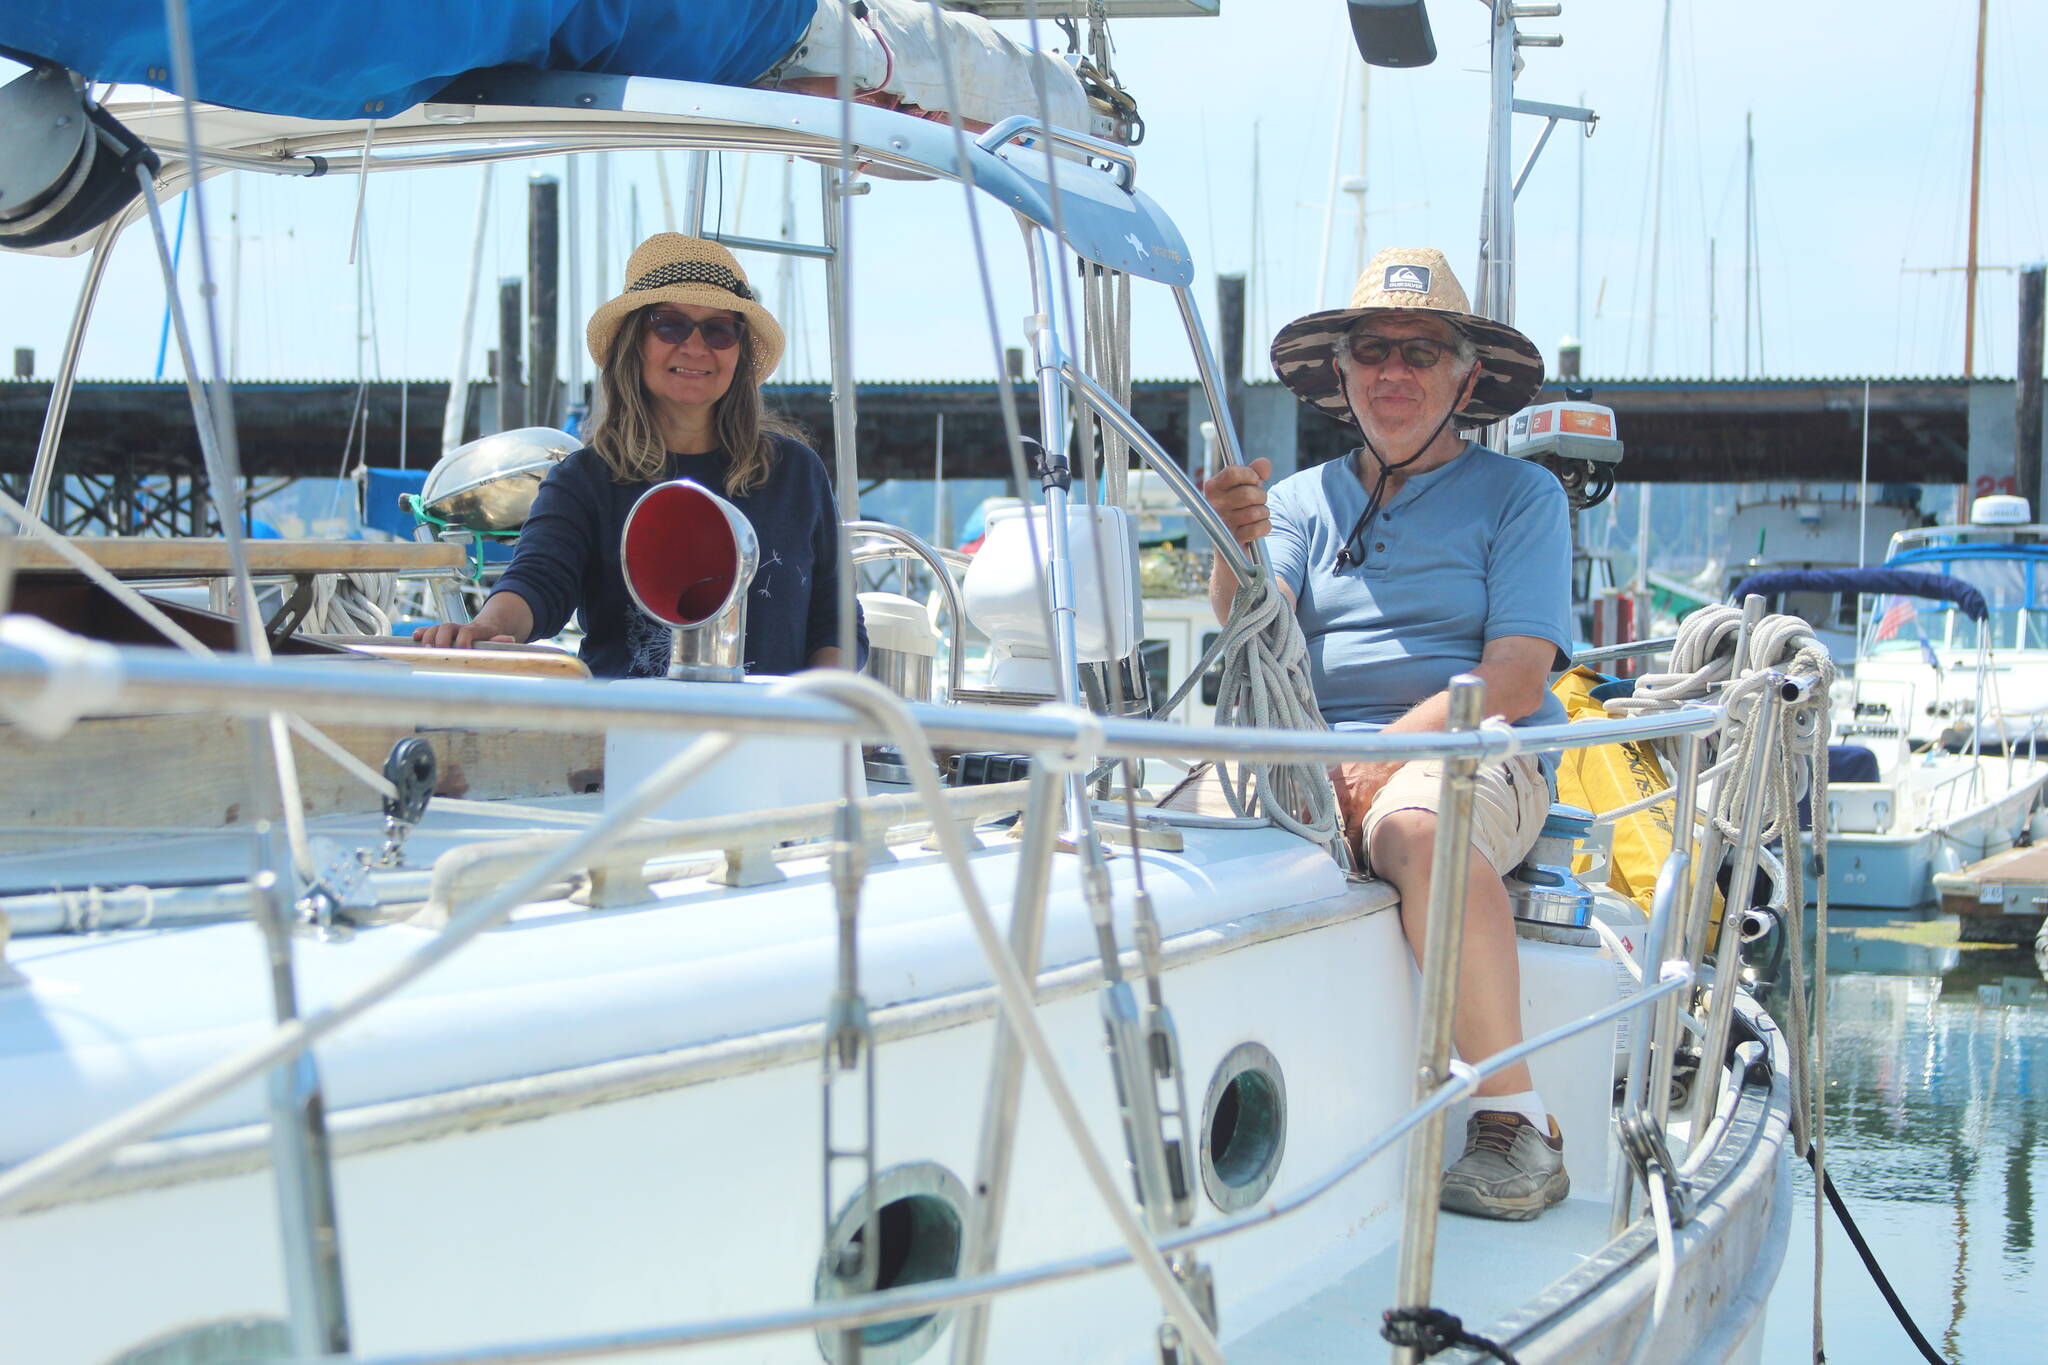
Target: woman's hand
x=506, y=618
x=1238, y=493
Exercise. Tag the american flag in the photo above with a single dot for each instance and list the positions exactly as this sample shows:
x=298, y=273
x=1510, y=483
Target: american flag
x=1898, y=614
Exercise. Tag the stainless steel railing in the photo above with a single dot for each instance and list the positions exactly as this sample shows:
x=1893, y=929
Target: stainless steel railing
x=133, y=677
x=916, y=547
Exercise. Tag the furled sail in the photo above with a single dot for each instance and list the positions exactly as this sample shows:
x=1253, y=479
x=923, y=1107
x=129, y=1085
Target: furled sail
x=379, y=57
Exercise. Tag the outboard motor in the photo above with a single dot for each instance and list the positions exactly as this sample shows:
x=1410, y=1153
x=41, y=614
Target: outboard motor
x=66, y=166
x=1575, y=440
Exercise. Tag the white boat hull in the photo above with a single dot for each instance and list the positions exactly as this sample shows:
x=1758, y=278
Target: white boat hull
x=663, y=1186
x=1895, y=870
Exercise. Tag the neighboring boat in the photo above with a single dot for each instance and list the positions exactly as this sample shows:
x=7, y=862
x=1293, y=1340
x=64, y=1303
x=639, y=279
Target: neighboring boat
x=1946, y=676
x=1949, y=680
x=1809, y=530
x=567, y=1091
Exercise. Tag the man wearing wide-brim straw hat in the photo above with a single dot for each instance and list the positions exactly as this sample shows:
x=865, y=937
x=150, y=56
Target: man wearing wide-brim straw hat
x=1419, y=556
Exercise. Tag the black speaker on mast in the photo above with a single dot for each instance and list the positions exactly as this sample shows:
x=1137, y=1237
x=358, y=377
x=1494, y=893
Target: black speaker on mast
x=1392, y=32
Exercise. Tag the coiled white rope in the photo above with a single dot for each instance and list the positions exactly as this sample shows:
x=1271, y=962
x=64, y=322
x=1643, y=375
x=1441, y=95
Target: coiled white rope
x=1704, y=655
x=1266, y=683
x=352, y=604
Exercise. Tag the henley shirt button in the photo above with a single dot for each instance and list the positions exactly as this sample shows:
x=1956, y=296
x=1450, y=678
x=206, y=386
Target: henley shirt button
x=1386, y=516
x=1380, y=546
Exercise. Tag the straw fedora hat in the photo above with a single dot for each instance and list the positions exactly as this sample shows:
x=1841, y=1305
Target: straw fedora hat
x=1409, y=279
x=671, y=268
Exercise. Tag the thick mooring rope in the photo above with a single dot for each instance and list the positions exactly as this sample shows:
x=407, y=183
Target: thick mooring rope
x=1266, y=683
x=1705, y=655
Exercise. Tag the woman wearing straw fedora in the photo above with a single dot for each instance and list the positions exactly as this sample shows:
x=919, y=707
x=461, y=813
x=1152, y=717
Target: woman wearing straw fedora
x=681, y=353
x=1418, y=557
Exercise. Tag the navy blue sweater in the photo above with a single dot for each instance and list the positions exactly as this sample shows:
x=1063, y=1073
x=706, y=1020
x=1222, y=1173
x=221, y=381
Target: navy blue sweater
x=568, y=560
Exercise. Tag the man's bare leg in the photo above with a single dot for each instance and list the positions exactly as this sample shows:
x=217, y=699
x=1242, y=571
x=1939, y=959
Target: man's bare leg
x=1512, y=1167
x=1489, y=1011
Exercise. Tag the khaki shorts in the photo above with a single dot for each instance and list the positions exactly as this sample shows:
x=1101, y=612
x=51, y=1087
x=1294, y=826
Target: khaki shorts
x=1510, y=801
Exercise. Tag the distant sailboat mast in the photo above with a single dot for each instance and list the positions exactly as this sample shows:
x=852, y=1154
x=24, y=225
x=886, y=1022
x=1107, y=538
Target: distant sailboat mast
x=1976, y=183
x=1352, y=185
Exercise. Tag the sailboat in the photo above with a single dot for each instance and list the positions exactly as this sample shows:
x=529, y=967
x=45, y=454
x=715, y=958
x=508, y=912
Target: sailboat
x=760, y=1057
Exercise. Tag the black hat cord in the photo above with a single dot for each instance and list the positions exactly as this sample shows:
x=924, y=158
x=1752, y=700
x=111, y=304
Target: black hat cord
x=1379, y=483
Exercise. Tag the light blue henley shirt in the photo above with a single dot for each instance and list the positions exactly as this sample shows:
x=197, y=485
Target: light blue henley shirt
x=1473, y=550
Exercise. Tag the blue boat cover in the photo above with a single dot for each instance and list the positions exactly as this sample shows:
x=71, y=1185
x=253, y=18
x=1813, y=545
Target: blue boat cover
x=379, y=57
x=1896, y=582
x=381, y=511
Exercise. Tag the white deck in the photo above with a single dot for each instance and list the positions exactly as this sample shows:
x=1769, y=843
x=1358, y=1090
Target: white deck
x=1484, y=1271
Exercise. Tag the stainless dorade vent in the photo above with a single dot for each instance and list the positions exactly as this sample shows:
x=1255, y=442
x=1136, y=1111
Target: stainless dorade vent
x=689, y=557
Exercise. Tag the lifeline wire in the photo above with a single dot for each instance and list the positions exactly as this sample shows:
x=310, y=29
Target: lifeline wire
x=890, y=711
x=150, y=613
x=85, y=1153
x=1183, y=1272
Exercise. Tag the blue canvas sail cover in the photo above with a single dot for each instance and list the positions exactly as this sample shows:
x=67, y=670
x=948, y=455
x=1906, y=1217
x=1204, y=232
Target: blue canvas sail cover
x=333, y=61
x=1939, y=587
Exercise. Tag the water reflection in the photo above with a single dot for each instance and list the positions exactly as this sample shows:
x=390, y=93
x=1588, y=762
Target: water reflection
x=1934, y=1113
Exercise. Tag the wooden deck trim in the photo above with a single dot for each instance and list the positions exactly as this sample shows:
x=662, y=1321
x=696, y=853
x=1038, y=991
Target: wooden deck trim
x=162, y=557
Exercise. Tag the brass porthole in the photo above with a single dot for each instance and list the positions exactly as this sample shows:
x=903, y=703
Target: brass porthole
x=919, y=1231
x=1244, y=1127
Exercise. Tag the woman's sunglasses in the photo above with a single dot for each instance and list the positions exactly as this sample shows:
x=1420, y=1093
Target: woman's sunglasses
x=720, y=334
x=1418, y=353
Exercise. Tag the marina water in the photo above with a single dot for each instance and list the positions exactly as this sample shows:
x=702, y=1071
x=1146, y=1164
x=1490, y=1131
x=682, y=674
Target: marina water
x=1937, y=1058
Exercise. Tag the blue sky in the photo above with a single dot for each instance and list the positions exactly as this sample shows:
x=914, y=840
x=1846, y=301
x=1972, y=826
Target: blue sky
x=1862, y=117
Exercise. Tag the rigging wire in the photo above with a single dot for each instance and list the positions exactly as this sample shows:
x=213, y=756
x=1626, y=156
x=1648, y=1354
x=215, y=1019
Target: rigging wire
x=1006, y=394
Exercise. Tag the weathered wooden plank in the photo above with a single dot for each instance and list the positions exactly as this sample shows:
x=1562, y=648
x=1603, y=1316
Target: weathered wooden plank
x=163, y=557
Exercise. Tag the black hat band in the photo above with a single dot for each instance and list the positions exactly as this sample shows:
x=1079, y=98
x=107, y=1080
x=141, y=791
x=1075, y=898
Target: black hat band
x=692, y=272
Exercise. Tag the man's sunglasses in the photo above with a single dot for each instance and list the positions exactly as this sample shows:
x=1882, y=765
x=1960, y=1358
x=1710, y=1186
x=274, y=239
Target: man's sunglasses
x=1418, y=353
x=720, y=334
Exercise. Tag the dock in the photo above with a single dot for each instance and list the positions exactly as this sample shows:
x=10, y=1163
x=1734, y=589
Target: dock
x=2000, y=899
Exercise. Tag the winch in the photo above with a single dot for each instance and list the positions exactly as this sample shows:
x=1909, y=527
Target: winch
x=1543, y=889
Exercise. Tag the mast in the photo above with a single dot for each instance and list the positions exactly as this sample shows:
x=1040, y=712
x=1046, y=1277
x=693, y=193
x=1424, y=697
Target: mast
x=1330, y=198
x=1659, y=123
x=1255, y=272
x=572, y=220
x=1713, y=311
x=1976, y=181
x=1497, y=239
x=1358, y=185
x=234, y=274
x=1579, y=249
x=1748, y=230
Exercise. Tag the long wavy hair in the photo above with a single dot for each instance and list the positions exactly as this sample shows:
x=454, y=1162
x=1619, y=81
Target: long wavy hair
x=626, y=436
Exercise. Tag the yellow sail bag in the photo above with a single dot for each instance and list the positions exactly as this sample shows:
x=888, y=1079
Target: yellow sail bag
x=1609, y=775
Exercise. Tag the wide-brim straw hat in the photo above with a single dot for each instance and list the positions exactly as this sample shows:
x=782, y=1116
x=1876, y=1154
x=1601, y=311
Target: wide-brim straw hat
x=1409, y=279
x=671, y=268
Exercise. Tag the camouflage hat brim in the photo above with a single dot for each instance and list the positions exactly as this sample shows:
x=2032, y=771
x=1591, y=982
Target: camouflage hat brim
x=1510, y=366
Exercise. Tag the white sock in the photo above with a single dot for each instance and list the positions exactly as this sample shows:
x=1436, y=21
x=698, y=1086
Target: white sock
x=1527, y=1103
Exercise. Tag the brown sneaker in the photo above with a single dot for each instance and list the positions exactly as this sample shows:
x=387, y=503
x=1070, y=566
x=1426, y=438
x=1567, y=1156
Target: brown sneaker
x=1509, y=1170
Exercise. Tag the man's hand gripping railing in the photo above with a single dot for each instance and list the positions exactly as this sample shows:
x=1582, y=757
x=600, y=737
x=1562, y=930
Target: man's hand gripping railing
x=1266, y=683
